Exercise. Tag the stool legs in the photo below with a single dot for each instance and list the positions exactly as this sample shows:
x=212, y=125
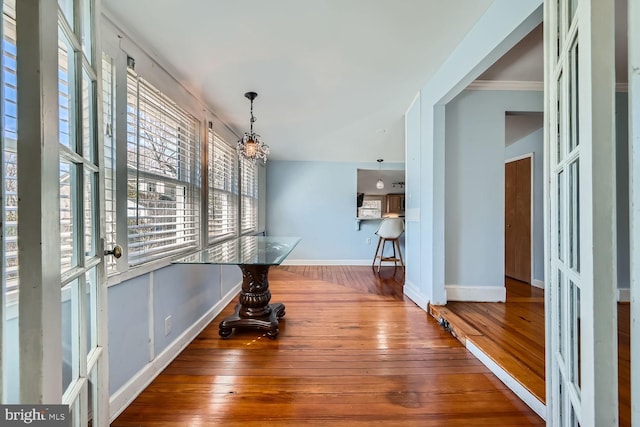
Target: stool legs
x=373, y=264
x=399, y=253
x=397, y=256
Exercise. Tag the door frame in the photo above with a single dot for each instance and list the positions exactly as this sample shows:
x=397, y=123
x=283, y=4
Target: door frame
x=530, y=155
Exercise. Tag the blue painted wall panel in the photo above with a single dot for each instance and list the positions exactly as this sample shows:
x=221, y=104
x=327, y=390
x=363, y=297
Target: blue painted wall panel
x=474, y=183
x=128, y=330
x=185, y=292
x=317, y=202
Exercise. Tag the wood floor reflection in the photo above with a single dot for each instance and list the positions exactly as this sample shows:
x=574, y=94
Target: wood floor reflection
x=512, y=334
x=352, y=351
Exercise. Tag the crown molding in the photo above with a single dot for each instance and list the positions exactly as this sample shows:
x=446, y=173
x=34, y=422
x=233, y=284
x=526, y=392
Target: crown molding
x=522, y=85
x=506, y=85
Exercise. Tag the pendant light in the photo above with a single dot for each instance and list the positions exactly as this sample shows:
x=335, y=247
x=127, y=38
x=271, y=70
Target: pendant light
x=380, y=183
x=251, y=146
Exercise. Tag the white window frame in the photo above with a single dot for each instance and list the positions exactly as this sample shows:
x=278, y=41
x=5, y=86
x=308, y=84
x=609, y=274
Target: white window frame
x=185, y=235
x=223, y=183
x=249, y=197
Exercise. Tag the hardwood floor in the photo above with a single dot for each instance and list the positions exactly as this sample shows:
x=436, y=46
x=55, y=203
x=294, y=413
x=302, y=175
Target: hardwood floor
x=512, y=335
x=356, y=355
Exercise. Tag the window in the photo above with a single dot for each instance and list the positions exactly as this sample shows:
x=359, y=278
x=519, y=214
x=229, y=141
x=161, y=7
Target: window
x=9, y=299
x=249, y=187
x=163, y=174
x=108, y=102
x=223, y=188
x=9, y=146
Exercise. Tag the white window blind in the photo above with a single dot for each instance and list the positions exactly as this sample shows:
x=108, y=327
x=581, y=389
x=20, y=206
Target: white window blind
x=10, y=157
x=249, y=196
x=162, y=162
x=223, y=188
x=109, y=159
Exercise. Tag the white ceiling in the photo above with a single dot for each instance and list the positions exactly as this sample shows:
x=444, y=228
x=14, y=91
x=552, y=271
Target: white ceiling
x=334, y=77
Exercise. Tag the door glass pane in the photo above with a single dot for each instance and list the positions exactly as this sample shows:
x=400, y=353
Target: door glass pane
x=88, y=123
x=560, y=213
x=574, y=129
x=68, y=201
x=573, y=6
x=91, y=278
x=90, y=206
x=574, y=294
x=560, y=313
x=558, y=27
x=561, y=399
x=87, y=46
x=67, y=10
x=559, y=139
x=69, y=334
x=93, y=396
x=574, y=216
x=66, y=92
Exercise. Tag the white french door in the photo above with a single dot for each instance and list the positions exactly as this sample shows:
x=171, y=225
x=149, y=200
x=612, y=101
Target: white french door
x=62, y=293
x=580, y=194
x=83, y=302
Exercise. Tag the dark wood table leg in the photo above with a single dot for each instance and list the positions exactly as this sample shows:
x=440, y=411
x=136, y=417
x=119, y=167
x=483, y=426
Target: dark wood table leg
x=253, y=309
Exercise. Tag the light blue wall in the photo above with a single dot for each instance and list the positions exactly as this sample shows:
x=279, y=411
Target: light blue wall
x=474, y=184
x=184, y=292
x=533, y=143
x=316, y=201
x=502, y=26
x=128, y=330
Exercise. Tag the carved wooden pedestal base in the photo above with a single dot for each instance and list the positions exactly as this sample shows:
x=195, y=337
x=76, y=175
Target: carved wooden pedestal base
x=253, y=309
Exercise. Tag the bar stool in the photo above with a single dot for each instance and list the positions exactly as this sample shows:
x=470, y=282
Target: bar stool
x=389, y=230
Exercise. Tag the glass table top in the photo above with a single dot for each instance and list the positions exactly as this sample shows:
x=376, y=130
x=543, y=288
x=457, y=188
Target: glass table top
x=248, y=250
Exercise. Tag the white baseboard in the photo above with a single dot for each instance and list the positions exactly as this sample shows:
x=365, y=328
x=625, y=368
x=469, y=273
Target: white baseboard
x=119, y=401
x=537, y=283
x=624, y=295
x=524, y=394
x=476, y=293
x=328, y=262
x=412, y=291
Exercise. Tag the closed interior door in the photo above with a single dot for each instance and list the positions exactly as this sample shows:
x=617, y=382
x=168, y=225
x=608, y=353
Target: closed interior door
x=517, y=213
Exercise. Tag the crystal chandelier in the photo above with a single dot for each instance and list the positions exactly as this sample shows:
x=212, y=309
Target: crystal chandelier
x=251, y=146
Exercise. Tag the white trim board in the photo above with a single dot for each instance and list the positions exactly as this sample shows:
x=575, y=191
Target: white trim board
x=476, y=293
x=517, y=388
x=506, y=85
x=537, y=283
x=329, y=262
x=414, y=294
x=119, y=401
